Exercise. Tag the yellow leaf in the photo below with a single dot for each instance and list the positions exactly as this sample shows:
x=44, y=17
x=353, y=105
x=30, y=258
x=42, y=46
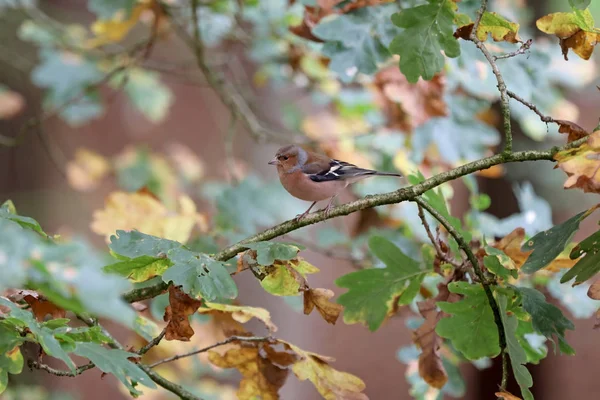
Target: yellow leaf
x=260, y=377
x=145, y=213
x=491, y=23
x=114, y=30
x=319, y=298
x=331, y=384
x=574, y=29
x=241, y=314
x=87, y=170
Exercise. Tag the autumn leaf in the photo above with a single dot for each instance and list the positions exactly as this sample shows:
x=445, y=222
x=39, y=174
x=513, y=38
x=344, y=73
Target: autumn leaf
x=506, y=396
x=319, y=298
x=407, y=105
x=493, y=24
x=42, y=307
x=260, y=377
x=574, y=29
x=594, y=290
x=511, y=245
x=85, y=172
x=141, y=211
x=582, y=165
x=572, y=129
x=431, y=368
x=177, y=313
x=241, y=314
x=331, y=384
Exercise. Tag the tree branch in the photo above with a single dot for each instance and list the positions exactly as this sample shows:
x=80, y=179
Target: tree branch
x=398, y=196
x=501, y=84
x=212, y=346
x=152, y=343
x=532, y=107
x=60, y=372
x=433, y=241
x=486, y=286
x=167, y=384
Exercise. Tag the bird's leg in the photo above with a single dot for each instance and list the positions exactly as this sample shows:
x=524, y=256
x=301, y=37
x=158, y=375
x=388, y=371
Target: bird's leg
x=305, y=213
x=329, y=206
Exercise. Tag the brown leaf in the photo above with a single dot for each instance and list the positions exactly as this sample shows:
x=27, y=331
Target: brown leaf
x=177, y=313
x=281, y=358
x=506, y=396
x=511, y=246
x=575, y=131
x=594, y=290
x=11, y=103
x=319, y=298
x=241, y=314
x=582, y=165
x=42, y=307
x=582, y=44
x=431, y=368
x=260, y=377
x=408, y=105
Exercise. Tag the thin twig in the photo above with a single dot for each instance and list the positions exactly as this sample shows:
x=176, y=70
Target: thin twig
x=212, y=346
x=59, y=372
x=478, y=271
x=433, y=240
x=532, y=107
x=501, y=84
x=152, y=343
x=524, y=47
x=395, y=197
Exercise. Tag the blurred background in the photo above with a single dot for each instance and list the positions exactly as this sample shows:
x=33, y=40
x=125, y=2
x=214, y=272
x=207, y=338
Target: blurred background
x=146, y=116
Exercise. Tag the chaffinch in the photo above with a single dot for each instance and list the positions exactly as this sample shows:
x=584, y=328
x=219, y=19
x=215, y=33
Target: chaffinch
x=314, y=177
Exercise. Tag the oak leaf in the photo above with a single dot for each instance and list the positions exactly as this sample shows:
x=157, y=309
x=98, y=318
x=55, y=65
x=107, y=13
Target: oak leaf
x=177, y=313
x=493, y=24
x=42, y=307
x=572, y=129
x=330, y=383
x=319, y=298
x=241, y=314
x=260, y=377
x=144, y=212
x=582, y=165
x=574, y=29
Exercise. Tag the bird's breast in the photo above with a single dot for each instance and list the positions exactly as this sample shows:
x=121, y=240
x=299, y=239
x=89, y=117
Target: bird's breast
x=299, y=185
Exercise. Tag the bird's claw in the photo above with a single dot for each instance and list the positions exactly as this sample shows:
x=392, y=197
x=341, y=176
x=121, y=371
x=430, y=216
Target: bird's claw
x=299, y=217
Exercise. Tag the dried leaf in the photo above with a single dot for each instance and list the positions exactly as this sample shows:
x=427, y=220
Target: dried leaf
x=241, y=314
x=407, y=105
x=177, y=313
x=431, y=368
x=319, y=298
x=42, y=307
x=507, y=396
x=87, y=170
x=582, y=165
x=145, y=213
x=331, y=384
x=260, y=377
x=594, y=290
x=575, y=131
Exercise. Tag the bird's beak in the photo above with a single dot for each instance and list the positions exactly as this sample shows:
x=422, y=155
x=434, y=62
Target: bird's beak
x=274, y=161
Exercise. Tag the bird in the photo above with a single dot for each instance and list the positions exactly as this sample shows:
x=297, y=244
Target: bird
x=310, y=176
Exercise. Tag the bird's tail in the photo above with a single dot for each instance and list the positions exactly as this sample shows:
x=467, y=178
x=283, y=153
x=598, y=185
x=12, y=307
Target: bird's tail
x=386, y=174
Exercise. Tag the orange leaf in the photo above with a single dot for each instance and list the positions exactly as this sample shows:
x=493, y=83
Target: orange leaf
x=507, y=396
x=177, y=313
x=42, y=307
x=575, y=131
x=319, y=298
x=594, y=290
x=582, y=165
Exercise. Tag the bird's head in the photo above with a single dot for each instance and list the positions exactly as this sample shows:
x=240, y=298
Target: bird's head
x=289, y=158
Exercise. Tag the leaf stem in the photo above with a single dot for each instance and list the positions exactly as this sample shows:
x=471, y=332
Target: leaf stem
x=478, y=271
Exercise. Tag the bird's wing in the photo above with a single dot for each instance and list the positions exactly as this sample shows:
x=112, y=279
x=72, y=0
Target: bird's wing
x=334, y=170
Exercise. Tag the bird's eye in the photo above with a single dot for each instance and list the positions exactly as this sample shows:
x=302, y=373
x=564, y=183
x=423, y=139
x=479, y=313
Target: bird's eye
x=285, y=158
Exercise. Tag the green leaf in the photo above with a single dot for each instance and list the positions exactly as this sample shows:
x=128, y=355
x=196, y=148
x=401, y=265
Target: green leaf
x=281, y=279
x=140, y=269
x=15, y=248
x=580, y=4
x=372, y=292
x=471, y=327
x=133, y=244
x=428, y=30
x=495, y=267
x=547, y=245
x=9, y=212
x=146, y=328
x=518, y=357
x=531, y=342
x=589, y=264
x=147, y=93
x=546, y=318
x=200, y=275
x=10, y=362
x=114, y=361
x=107, y=9
x=357, y=41
x=43, y=335
x=268, y=252
x=498, y=27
